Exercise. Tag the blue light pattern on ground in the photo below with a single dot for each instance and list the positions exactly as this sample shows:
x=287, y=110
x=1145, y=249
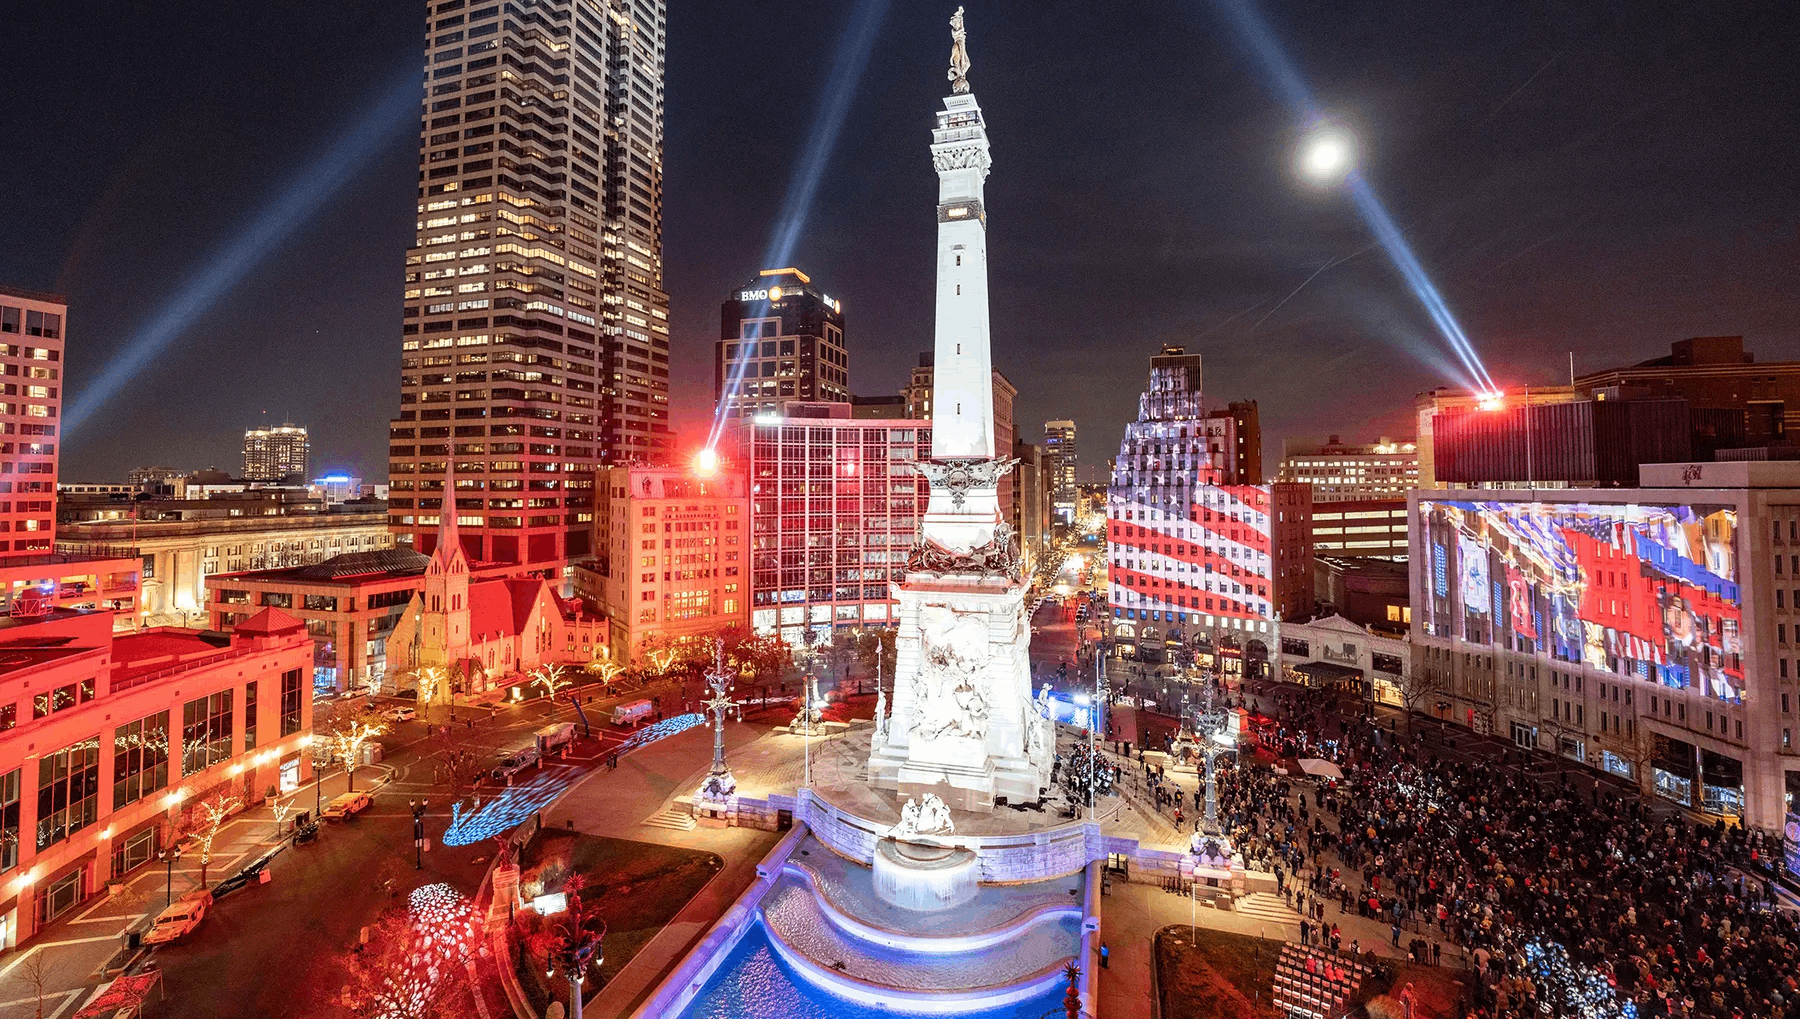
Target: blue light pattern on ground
x=518, y=802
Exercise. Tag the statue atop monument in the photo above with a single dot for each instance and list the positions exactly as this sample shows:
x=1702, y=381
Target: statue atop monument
x=959, y=54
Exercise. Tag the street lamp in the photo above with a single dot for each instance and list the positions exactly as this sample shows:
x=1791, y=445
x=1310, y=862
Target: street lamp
x=418, y=813
x=169, y=856
x=719, y=785
x=579, y=946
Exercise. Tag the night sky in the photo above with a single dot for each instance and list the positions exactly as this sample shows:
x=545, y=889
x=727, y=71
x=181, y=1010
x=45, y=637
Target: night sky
x=1586, y=177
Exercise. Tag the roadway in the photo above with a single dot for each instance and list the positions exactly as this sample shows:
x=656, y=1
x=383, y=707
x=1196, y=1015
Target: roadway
x=271, y=949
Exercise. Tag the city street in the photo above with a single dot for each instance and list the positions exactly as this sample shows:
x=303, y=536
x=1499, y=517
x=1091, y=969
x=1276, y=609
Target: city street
x=281, y=939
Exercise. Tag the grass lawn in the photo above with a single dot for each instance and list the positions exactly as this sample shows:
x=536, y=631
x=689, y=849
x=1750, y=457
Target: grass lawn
x=638, y=888
x=1230, y=976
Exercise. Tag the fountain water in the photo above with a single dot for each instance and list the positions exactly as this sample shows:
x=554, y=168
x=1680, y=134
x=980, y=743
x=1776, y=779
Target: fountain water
x=915, y=875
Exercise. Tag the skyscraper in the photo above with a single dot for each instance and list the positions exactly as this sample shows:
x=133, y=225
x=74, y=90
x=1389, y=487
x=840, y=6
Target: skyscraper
x=276, y=453
x=32, y=582
x=1194, y=557
x=31, y=345
x=536, y=341
x=1060, y=461
x=780, y=338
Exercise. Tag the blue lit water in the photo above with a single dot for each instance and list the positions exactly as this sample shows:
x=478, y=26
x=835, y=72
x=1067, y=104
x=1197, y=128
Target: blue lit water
x=754, y=983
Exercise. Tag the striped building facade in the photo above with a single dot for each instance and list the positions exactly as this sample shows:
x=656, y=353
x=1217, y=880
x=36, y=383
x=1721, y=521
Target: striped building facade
x=1195, y=561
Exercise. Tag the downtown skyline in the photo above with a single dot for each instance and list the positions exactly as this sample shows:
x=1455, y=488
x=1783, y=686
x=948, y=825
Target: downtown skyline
x=1147, y=199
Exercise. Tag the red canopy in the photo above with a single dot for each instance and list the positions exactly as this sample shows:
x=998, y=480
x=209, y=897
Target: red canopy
x=125, y=992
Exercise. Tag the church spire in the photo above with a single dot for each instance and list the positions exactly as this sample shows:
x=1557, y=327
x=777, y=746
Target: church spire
x=449, y=542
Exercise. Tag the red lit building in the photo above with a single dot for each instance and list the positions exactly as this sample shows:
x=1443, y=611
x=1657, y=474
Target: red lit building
x=34, y=576
x=834, y=510
x=110, y=739
x=1194, y=559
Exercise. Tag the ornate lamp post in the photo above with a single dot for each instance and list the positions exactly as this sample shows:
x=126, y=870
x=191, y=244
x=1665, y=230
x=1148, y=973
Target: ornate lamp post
x=1213, y=736
x=719, y=785
x=579, y=944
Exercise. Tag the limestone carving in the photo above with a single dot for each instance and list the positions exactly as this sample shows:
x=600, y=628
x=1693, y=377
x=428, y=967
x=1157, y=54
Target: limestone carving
x=958, y=476
x=927, y=816
x=961, y=157
x=881, y=715
x=949, y=695
x=999, y=557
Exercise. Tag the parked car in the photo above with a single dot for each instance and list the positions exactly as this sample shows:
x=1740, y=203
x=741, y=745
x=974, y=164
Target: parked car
x=408, y=694
x=513, y=762
x=346, y=804
x=401, y=714
x=180, y=919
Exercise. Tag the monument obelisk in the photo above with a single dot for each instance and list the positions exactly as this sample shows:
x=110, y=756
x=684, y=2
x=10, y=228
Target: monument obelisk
x=964, y=725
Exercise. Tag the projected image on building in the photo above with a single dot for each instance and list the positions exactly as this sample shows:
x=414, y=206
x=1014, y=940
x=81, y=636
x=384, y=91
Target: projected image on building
x=1644, y=591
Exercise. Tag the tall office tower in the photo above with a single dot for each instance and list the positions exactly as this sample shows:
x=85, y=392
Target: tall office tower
x=536, y=340
x=1060, y=461
x=31, y=582
x=31, y=346
x=780, y=339
x=276, y=453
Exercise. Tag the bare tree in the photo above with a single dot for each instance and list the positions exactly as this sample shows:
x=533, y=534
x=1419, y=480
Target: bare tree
x=461, y=759
x=278, y=812
x=205, y=822
x=553, y=678
x=36, y=973
x=1642, y=748
x=346, y=729
x=1416, y=684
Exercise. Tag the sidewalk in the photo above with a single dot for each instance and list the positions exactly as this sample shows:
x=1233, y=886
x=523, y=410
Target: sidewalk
x=616, y=803
x=77, y=948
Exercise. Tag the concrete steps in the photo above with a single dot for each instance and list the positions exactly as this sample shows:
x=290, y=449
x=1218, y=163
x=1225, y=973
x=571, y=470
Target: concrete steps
x=1267, y=907
x=675, y=819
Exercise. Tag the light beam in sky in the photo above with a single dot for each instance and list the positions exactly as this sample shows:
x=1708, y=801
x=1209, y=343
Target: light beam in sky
x=1328, y=153
x=297, y=204
x=846, y=72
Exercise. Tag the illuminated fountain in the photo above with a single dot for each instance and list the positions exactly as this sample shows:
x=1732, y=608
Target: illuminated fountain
x=913, y=871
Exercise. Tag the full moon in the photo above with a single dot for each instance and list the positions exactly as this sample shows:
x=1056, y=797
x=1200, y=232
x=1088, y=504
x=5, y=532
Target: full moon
x=1326, y=155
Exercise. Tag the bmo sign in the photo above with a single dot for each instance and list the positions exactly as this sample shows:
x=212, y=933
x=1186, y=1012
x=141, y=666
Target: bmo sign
x=753, y=295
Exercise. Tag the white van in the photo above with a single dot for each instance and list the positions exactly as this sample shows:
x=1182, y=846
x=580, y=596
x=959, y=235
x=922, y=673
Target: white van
x=634, y=713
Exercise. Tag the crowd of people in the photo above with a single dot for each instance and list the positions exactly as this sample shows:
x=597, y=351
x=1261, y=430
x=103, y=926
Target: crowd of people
x=1563, y=904
x=1079, y=771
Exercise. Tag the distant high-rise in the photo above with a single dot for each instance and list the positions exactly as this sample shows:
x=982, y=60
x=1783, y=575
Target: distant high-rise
x=276, y=453
x=780, y=339
x=1060, y=464
x=31, y=345
x=536, y=340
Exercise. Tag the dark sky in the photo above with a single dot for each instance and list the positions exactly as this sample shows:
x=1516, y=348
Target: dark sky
x=1595, y=177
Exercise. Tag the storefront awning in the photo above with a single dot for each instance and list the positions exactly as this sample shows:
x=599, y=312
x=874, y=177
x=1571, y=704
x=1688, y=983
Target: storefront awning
x=1325, y=672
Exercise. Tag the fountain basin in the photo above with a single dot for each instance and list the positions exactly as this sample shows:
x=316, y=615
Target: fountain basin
x=923, y=876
